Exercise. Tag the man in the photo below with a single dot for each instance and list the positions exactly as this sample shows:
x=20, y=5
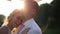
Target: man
x=31, y=8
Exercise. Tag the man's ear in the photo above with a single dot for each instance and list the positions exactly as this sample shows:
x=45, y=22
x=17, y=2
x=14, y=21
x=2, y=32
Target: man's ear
x=33, y=11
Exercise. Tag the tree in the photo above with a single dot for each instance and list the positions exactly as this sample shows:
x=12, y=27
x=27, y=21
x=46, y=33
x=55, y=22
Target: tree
x=43, y=15
x=56, y=9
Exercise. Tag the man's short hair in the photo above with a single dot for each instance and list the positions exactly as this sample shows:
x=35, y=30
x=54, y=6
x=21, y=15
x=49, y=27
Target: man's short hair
x=32, y=4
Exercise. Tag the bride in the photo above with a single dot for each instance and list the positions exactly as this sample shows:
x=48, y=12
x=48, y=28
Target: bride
x=14, y=21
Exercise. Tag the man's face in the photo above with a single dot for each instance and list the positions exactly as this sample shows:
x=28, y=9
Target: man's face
x=29, y=11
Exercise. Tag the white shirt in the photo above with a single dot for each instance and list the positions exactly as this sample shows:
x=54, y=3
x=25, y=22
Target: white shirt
x=35, y=29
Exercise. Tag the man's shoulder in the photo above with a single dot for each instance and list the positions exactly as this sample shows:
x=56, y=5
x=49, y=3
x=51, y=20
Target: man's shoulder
x=32, y=24
x=35, y=31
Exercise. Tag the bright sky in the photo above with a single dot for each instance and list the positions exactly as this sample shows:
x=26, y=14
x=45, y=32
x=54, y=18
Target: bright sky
x=7, y=7
x=44, y=1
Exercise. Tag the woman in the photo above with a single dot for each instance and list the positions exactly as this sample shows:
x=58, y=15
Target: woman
x=14, y=21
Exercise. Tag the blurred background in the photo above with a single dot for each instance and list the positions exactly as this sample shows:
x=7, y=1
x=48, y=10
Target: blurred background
x=48, y=17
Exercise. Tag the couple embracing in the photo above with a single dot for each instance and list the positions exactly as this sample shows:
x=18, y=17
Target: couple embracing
x=23, y=20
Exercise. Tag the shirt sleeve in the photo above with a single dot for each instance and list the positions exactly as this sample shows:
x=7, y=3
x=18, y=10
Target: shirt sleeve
x=34, y=32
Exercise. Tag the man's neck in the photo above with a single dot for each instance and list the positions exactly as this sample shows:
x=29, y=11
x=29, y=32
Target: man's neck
x=27, y=18
x=28, y=22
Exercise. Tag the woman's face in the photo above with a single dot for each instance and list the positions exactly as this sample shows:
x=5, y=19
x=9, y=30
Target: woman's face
x=16, y=20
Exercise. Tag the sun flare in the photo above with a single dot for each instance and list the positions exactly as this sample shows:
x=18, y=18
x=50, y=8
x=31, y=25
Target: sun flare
x=7, y=7
x=18, y=4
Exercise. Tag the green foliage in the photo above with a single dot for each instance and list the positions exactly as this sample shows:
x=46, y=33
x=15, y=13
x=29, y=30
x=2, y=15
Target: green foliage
x=45, y=11
x=48, y=17
x=1, y=19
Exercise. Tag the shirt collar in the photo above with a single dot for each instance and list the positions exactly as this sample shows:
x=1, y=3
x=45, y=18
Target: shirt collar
x=28, y=22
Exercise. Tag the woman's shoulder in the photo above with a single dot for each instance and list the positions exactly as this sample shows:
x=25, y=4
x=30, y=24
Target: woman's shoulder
x=3, y=30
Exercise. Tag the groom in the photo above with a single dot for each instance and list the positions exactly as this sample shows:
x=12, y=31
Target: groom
x=31, y=9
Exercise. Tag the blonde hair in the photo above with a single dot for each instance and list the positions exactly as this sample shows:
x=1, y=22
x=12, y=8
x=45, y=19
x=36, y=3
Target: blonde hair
x=21, y=16
x=12, y=14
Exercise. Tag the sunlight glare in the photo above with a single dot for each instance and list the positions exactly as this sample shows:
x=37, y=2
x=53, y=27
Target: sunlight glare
x=7, y=7
x=18, y=4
